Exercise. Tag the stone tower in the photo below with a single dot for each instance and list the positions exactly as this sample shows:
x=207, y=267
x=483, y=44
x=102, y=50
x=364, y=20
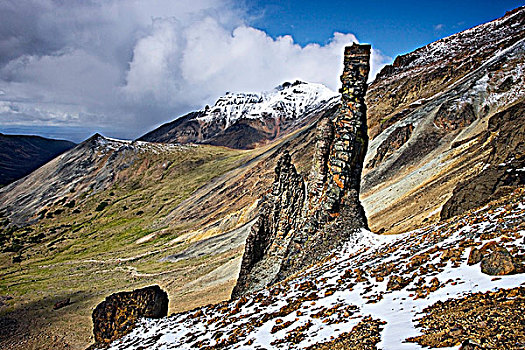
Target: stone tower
x=301, y=221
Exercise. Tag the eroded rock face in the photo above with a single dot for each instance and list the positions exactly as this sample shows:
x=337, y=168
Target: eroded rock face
x=393, y=142
x=273, y=231
x=118, y=314
x=452, y=116
x=502, y=173
x=300, y=221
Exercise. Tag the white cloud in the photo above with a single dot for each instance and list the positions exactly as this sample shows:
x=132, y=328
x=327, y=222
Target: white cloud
x=193, y=64
x=134, y=64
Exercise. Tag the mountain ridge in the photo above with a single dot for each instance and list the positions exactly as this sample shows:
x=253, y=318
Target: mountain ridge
x=248, y=120
x=21, y=154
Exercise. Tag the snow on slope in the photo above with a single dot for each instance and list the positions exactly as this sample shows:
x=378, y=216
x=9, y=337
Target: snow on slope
x=104, y=145
x=332, y=297
x=290, y=100
x=443, y=50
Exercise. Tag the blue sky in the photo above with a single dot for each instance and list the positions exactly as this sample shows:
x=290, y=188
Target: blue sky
x=71, y=68
x=394, y=27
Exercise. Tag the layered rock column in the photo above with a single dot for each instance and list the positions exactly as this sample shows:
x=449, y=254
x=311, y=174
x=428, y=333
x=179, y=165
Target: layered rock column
x=301, y=221
x=351, y=139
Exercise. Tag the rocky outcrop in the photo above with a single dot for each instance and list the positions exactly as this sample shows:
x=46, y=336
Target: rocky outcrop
x=504, y=165
x=393, y=142
x=299, y=222
x=267, y=243
x=118, y=314
x=495, y=259
x=452, y=116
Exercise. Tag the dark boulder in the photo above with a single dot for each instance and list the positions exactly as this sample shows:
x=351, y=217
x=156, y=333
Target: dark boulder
x=118, y=314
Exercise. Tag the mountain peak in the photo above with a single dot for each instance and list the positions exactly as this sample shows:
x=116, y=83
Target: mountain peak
x=295, y=98
x=247, y=120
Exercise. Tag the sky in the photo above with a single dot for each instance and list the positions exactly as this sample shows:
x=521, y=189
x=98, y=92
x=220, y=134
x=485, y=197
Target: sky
x=70, y=68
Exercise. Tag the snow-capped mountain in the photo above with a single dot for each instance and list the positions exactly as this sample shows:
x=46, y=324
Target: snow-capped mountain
x=246, y=120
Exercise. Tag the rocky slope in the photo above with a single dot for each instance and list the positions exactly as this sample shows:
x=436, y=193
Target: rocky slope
x=417, y=76
x=243, y=121
x=20, y=155
x=377, y=292
x=440, y=117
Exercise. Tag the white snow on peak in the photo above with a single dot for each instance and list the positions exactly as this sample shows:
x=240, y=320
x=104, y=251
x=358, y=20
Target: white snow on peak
x=289, y=100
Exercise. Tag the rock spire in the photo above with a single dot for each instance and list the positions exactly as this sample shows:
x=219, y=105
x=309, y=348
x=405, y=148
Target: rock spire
x=302, y=220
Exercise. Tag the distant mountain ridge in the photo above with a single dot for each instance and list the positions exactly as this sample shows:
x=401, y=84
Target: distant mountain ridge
x=248, y=120
x=21, y=154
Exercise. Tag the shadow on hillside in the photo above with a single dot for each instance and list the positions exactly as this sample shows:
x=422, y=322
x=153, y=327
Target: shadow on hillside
x=38, y=325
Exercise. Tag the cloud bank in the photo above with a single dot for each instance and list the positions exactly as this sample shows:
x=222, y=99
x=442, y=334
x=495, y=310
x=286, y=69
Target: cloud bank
x=123, y=67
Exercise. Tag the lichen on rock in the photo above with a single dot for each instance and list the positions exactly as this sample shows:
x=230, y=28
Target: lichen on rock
x=119, y=312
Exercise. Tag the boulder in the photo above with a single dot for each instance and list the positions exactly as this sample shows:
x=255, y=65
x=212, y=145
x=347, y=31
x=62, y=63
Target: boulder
x=495, y=259
x=498, y=262
x=118, y=314
x=475, y=256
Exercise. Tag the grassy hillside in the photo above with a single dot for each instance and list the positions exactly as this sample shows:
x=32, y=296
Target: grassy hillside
x=91, y=244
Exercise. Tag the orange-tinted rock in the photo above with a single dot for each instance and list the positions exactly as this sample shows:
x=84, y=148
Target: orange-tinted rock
x=397, y=283
x=475, y=256
x=300, y=221
x=497, y=263
x=118, y=314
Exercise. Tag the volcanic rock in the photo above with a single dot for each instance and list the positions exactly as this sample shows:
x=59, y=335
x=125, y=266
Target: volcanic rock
x=118, y=314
